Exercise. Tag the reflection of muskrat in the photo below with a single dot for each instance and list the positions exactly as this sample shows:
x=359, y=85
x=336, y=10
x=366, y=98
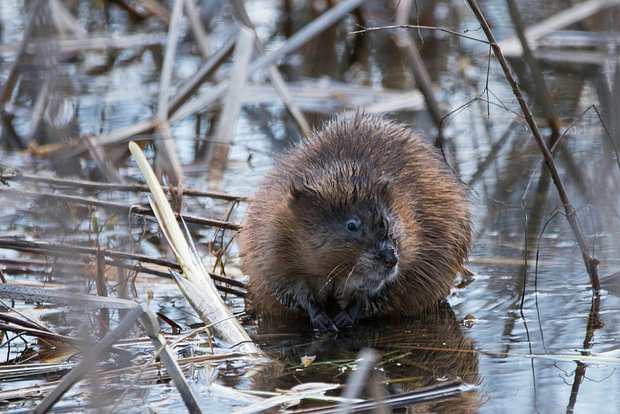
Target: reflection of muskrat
x=362, y=219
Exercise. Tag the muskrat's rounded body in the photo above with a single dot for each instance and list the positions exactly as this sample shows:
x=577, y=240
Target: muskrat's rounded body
x=362, y=219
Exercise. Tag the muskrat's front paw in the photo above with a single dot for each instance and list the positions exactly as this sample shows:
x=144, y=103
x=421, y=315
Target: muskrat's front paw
x=344, y=321
x=323, y=323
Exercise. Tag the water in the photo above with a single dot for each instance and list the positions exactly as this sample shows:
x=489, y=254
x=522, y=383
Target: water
x=523, y=320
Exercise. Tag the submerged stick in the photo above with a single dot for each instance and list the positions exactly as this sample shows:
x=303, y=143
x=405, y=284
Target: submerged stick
x=590, y=261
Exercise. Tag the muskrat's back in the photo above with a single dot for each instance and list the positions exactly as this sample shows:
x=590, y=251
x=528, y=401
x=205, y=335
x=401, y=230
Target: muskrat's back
x=361, y=219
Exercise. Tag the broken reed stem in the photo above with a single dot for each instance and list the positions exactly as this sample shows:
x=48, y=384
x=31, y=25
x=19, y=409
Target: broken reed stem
x=590, y=262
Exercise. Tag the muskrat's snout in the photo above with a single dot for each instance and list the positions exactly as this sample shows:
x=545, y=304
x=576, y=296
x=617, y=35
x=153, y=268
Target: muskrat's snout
x=387, y=253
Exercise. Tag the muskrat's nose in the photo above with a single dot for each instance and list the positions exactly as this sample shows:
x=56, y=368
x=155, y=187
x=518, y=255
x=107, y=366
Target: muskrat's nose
x=387, y=253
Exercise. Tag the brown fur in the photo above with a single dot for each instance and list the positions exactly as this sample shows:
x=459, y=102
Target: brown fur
x=295, y=241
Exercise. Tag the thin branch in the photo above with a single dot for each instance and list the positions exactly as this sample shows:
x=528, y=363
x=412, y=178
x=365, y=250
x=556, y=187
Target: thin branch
x=128, y=209
x=417, y=26
x=590, y=262
x=113, y=257
x=100, y=186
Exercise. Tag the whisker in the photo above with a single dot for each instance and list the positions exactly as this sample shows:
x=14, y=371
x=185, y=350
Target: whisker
x=344, y=287
x=330, y=277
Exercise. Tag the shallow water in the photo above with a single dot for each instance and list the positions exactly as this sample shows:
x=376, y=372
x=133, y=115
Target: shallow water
x=514, y=355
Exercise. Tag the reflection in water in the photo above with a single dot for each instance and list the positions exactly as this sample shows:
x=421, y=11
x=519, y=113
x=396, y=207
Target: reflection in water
x=422, y=351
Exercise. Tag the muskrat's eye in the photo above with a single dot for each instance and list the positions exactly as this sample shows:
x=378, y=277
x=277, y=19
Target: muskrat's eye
x=353, y=225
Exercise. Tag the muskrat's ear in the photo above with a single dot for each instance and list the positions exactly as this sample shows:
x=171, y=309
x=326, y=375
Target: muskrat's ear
x=302, y=194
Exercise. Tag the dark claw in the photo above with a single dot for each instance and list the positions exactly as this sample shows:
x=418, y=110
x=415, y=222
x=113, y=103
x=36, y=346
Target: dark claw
x=323, y=323
x=346, y=318
x=344, y=321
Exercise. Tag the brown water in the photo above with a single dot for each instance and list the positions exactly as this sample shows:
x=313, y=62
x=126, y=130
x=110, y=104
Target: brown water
x=530, y=299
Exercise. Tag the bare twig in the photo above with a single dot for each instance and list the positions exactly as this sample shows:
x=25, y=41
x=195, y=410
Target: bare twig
x=131, y=209
x=590, y=261
x=113, y=257
x=97, y=186
x=417, y=26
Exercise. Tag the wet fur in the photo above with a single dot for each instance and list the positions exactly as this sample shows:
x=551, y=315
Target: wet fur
x=293, y=245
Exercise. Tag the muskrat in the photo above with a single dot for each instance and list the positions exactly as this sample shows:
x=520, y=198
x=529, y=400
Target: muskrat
x=362, y=219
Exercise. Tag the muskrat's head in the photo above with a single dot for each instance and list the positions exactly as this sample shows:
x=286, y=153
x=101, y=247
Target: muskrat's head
x=344, y=229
